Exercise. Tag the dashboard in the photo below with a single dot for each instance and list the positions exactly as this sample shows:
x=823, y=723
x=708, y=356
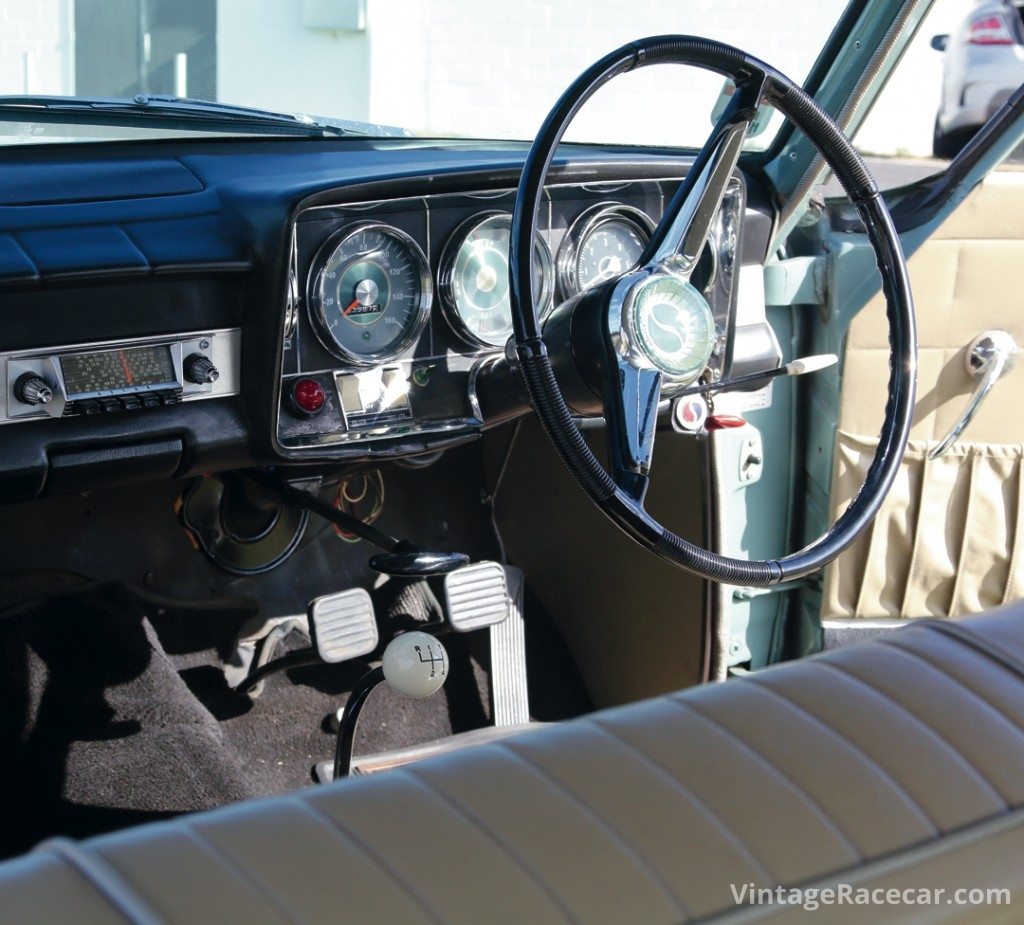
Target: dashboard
x=174, y=308
x=395, y=306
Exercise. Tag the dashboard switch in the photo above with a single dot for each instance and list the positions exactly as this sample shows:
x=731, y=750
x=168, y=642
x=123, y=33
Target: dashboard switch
x=308, y=397
x=200, y=370
x=31, y=389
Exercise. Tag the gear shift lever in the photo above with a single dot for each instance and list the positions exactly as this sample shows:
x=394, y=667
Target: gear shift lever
x=414, y=664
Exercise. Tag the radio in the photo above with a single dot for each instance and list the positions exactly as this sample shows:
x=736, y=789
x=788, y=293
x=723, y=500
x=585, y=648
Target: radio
x=114, y=376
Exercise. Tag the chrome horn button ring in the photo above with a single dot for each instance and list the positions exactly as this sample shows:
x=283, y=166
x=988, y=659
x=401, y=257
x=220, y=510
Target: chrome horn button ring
x=669, y=326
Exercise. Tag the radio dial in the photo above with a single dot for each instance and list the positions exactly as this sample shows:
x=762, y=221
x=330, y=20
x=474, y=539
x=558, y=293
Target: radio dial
x=199, y=369
x=31, y=389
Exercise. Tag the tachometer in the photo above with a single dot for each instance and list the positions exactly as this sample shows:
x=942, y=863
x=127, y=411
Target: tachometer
x=604, y=242
x=370, y=293
x=474, y=279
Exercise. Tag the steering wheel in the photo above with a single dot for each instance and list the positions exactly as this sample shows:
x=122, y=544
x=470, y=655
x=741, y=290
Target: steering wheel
x=601, y=339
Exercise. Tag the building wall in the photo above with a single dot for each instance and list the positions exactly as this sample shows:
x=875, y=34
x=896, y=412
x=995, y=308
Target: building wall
x=267, y=58
x=36, y=47
x=494, y=68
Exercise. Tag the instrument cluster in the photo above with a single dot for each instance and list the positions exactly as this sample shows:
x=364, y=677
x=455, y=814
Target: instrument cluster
x=371, y=289
x=405, y=299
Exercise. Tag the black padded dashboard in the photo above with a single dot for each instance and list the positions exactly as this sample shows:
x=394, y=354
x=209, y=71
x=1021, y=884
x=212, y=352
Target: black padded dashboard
x=110, y=242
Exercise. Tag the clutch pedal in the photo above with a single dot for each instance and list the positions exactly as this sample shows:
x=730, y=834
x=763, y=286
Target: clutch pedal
x=343, y=625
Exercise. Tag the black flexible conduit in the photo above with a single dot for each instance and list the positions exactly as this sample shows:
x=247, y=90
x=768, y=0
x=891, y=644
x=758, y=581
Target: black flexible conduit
x=536, y=367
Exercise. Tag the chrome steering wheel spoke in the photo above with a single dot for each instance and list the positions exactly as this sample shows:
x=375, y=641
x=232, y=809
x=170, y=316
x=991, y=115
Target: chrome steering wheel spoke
x=631, y=398
x=679, y=239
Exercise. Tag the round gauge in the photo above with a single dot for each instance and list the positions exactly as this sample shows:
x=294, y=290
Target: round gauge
x=706, y=271
x=370, y=293
x=474, y=279
x=674, y=327
x=604, y=242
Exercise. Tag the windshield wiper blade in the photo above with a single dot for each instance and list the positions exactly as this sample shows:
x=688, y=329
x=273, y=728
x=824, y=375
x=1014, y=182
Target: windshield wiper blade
x=145, y=106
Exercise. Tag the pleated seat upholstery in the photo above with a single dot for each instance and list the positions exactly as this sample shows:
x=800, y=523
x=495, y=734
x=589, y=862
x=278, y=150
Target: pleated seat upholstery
x=898, y=762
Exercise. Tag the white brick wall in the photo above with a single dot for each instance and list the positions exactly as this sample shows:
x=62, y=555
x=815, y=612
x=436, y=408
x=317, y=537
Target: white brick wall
x=494, y=68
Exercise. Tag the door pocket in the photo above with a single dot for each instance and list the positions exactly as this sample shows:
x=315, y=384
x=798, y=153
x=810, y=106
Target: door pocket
x=948, y=540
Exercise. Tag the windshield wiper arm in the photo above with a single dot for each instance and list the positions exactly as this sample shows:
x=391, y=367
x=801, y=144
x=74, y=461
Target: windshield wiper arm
x=146, y=107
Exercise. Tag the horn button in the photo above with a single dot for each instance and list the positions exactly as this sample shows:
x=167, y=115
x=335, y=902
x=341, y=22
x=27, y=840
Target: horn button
x=669, y=325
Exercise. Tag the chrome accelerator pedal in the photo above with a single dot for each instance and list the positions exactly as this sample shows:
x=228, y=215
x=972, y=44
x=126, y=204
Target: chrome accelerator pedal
x=476, y=596
x=343, y=625
x=487, y=594
x=510, y=700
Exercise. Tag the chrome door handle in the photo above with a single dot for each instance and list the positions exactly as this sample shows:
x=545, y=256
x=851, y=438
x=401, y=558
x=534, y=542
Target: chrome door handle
x=991, y=356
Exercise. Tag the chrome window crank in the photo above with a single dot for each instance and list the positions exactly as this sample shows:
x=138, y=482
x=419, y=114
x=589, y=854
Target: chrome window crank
x=991, y=356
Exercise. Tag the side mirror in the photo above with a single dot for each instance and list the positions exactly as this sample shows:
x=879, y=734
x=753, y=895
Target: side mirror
x=939, y=42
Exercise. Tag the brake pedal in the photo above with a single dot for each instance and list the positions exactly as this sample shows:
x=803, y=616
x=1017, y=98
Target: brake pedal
x=343, y=625
x=476, y=596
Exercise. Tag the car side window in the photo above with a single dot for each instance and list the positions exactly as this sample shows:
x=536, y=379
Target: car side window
x=965, y=60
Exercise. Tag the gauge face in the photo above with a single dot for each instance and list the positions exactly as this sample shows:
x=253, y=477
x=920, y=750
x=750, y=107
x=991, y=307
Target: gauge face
x=475, y=279
x=674, y=327
x=371, y=295
x=603, y=243
x=610, y=249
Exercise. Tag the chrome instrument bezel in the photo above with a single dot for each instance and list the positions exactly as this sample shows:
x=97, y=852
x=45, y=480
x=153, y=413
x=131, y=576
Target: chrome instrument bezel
x=318, y=317
x=446, y=268
x=657, y=184
x=583, y=227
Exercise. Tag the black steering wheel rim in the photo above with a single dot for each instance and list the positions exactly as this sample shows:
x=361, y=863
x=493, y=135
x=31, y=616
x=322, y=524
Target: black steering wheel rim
x=535, y=365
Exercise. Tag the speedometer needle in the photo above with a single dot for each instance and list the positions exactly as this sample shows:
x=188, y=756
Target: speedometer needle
x=355, y=302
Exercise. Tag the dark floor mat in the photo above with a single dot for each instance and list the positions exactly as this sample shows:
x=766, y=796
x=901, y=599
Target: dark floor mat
x=103, y=729
x=282, y=733
x=97, y=728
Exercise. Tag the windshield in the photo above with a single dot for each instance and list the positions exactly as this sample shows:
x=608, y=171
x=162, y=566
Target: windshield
x=438, y=68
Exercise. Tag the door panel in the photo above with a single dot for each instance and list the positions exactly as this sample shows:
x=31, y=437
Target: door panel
x=948, y=539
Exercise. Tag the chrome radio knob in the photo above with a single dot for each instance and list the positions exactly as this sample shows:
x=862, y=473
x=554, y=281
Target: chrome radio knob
x=31, y=389
x=200, y=370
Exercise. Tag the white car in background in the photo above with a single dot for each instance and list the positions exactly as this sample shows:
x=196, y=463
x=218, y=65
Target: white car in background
x=984, y=64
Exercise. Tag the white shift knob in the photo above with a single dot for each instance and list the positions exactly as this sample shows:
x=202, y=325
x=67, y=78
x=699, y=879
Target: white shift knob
x=415, y=664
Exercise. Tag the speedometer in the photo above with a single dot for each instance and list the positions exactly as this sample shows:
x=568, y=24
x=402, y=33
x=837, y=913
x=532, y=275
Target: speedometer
x=474, y=279
x=370, y=293
x=604, y=242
